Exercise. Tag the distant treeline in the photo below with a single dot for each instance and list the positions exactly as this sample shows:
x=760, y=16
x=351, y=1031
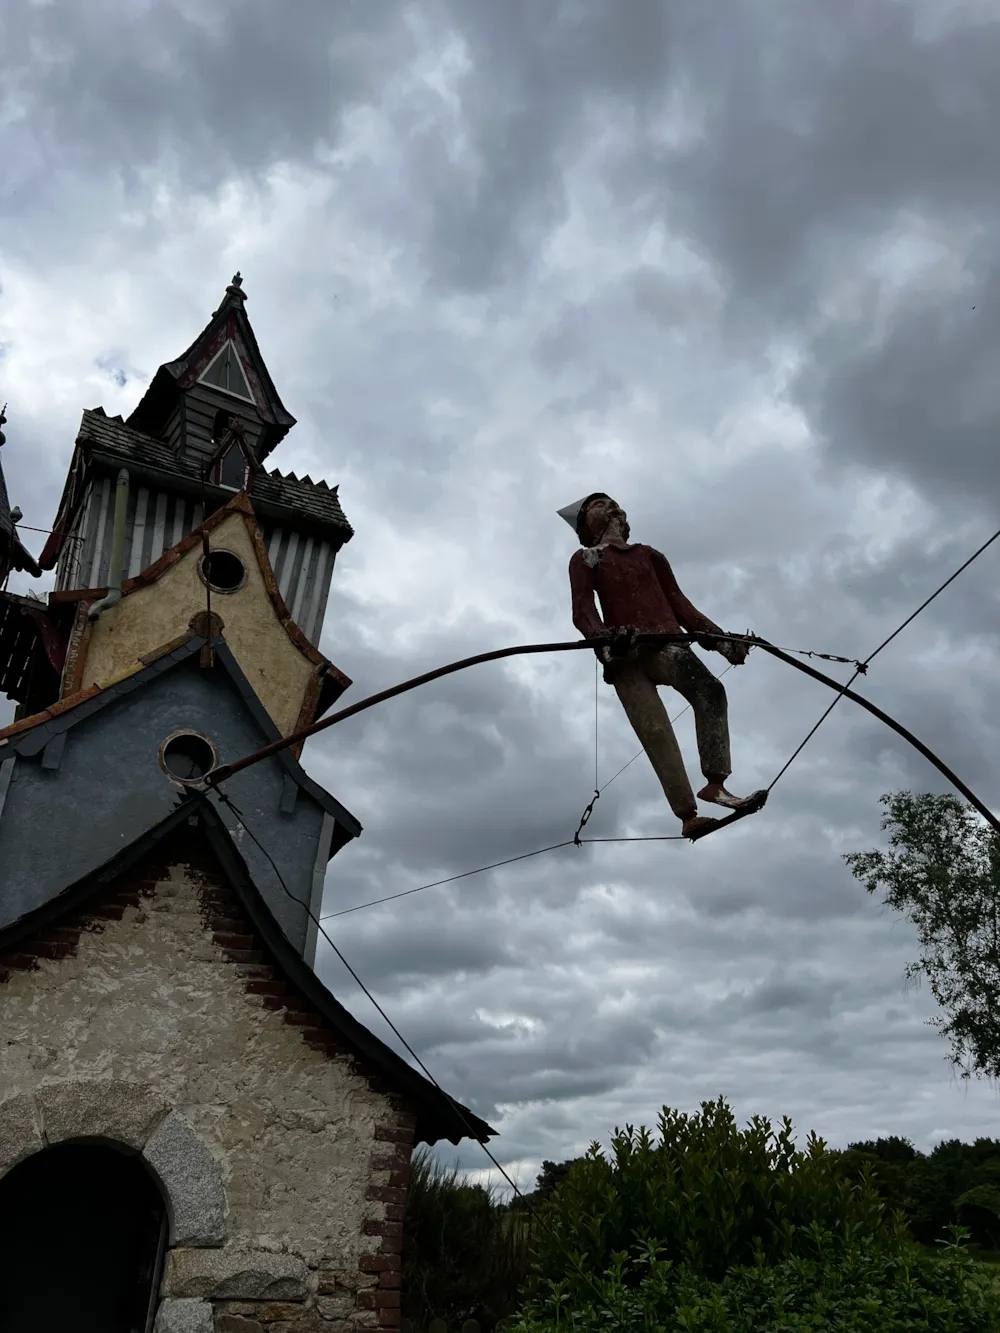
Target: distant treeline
x=956, y=1183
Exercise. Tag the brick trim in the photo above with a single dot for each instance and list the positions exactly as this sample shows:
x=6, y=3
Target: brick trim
x=263, y=981
x=393, y=1148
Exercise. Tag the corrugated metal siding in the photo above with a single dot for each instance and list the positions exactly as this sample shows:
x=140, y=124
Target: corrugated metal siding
x=158, y=520
x=303, y=567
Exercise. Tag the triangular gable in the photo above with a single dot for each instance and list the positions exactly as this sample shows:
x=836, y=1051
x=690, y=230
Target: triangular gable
x=326, y=682
x=228, y=324
x=31, y=735
x=334, y=1029
x=233, y=465
x=225, y=372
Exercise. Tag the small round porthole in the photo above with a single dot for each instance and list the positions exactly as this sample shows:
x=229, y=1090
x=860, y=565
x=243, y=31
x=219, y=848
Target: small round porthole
x=188, y=757
x=222, y=571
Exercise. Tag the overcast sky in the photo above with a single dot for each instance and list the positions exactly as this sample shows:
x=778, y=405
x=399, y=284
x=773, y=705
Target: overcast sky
x=737, y=264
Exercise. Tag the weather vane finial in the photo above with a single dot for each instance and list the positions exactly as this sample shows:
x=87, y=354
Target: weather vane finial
x=3, y=418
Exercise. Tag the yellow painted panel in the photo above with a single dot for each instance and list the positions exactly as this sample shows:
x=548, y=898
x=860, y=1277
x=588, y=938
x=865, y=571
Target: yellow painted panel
x=146, y=619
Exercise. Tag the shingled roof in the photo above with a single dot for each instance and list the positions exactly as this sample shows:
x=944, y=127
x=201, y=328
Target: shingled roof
x=228, y=322
x=311, y=501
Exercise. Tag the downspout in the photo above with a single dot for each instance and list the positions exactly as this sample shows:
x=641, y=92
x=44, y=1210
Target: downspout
x=114, y=593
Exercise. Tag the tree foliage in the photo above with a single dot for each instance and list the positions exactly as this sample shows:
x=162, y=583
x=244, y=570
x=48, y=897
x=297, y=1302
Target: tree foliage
x=708, y=1195
x=713, y=1229
x=857, y=1290
x=547, y=1181
x=942, y=872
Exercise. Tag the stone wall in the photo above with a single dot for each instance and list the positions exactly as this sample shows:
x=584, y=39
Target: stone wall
x=156, y=1020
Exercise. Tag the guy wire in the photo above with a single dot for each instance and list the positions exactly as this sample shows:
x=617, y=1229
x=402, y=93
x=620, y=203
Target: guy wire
x=452, y=1105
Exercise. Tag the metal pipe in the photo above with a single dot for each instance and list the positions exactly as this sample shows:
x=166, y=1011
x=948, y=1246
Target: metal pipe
x=225, y=771
x=115, y=567
x=897, y=727
x=613, y=641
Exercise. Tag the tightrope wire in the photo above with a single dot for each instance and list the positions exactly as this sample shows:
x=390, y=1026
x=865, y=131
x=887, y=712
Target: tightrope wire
x=861, y=668
x=494, y=865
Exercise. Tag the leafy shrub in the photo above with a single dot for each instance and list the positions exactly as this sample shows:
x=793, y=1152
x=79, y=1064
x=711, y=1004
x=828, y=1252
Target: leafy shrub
x=464, y=1255
x=858, y=1289
x=707, y=1196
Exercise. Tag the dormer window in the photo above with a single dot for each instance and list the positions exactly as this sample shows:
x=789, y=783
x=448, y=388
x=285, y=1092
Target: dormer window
x=231, y=469
x=225, y=372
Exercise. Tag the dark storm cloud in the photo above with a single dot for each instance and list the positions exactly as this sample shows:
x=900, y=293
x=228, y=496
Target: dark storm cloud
x=208, y=89
x=715, y=259
x=854, y=125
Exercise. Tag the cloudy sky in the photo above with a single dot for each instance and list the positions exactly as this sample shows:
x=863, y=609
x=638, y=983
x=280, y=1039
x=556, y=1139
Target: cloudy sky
x=737, y=264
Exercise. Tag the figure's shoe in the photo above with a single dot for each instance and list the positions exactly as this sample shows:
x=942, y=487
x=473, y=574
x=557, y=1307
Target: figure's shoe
x=716, y=793
x=696, y=824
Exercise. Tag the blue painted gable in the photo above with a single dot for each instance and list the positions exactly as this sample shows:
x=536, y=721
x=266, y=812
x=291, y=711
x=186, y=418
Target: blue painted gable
x=79, y=788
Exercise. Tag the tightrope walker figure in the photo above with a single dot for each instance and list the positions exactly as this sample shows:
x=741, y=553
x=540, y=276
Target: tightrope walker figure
x=637, y=591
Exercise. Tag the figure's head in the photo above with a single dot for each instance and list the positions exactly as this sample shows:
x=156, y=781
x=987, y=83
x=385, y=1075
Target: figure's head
x=596, y=513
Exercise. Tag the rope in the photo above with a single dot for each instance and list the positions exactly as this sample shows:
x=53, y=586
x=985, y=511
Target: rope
x=494, y=865
x=596, y=679
x=453, y=1106
x=861, y=668
x=597, y=793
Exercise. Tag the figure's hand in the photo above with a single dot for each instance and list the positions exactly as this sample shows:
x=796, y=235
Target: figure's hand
x=734, y=653
x=609, y=663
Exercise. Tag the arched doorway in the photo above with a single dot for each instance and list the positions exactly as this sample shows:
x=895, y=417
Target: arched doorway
x=82, y=1233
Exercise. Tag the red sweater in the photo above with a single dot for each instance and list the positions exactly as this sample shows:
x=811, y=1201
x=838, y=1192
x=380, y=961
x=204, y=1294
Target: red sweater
x=637, y=590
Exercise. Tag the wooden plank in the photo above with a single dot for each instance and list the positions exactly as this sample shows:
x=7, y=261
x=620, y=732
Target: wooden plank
x=178, y=531
x=135, y=564
x=158, y=544
x=754, y=803
x=305, y=569
x=289, y=569
x=320, y=565
x=95, y=553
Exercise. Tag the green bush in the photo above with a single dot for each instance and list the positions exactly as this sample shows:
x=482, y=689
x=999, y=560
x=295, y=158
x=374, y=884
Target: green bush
x=464, y=1255
x=859, y=1289
x=708, y=1197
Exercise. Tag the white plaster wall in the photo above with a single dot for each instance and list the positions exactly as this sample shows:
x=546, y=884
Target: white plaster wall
x=151, y=1000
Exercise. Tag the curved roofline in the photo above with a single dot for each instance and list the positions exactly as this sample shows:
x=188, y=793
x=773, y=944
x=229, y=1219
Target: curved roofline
x=173, y=377
x=30, y=735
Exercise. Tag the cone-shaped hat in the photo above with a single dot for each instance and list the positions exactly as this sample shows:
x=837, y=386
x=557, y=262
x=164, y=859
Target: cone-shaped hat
x=571, y=513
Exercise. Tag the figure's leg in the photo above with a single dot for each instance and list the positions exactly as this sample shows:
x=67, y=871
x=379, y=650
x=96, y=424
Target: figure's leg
x=644, y=709
x=691, y=678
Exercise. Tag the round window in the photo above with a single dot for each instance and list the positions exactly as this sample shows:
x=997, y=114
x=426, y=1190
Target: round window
x=223, y=571
x=187, y=756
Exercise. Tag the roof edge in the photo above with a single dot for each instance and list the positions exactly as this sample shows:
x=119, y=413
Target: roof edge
x=462, y=1122
x=24, y=737
x=439, y=1116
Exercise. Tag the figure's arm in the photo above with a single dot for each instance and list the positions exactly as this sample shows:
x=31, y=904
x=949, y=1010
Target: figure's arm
x=583, y=587
x=689, y=616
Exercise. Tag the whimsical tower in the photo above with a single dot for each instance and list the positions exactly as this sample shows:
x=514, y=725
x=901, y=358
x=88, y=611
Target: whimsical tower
x=207, y=1138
